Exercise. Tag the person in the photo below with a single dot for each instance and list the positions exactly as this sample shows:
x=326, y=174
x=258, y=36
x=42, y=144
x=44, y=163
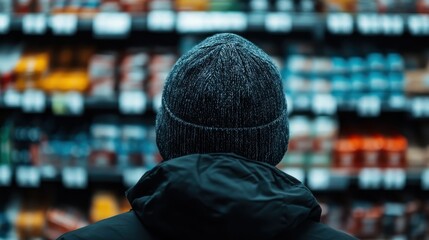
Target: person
x=221, y=129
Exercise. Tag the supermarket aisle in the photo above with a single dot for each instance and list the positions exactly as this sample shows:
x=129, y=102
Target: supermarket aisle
x=80, y=85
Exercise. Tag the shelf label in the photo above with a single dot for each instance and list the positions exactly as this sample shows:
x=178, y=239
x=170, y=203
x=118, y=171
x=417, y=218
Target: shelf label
x=34, y=24
x=161, y=21
x=112, y=24
x=398, y=102
x=371, y=24
x=370, y=178
x=58, y=103
x=391, y=24
x=302, y=102
x=211, y=21
x=318, y=179
x=367, y=23
x=75, y=102
x=425, y=179
x=418, y=24
x=340, y=23
x=4, y=23
x=5, y=175
x=132, y=176
x=48, y=172
x=297, y=173
x=64, y=24
x=420, y=107
x=132, y=102
x=74, y=177
x=33, y=101
x=324, y=104
x=278, y=22
x=28, y=176
x=12, y=98
x=394, y=179
x=289, y=103
x=369, y=106
x=157, y=102
x=340, y=180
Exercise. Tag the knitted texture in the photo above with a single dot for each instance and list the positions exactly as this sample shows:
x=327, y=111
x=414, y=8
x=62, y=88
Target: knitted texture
x=224, y=95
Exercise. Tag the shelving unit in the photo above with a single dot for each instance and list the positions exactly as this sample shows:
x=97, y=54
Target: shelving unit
x=314, y=43
x=317, y=179
x=370, y=24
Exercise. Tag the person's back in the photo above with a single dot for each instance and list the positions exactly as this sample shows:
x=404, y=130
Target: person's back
x=221, y=130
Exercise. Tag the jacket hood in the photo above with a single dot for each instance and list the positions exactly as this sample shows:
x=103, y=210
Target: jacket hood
x=221, y=196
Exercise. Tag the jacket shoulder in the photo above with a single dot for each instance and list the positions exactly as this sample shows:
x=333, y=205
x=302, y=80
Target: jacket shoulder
x=319, y=231
x=122, y=226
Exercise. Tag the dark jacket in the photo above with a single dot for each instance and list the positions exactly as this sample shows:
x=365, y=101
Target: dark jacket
x=215, y=196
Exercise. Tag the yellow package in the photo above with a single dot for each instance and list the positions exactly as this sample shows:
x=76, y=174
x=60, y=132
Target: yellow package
x=192, y=5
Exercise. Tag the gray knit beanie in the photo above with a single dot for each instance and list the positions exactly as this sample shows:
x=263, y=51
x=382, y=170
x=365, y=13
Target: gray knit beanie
x=224, y=96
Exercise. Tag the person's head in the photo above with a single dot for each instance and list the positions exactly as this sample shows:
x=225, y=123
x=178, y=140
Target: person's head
x=224, y=96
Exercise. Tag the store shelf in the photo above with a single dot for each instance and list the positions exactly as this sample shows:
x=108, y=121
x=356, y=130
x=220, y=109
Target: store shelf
x=317, y=179
x=76, y=104
x=66, y=104
x=322, y=179
x=103, y=25
x=352, y=78
x=412, y=107
x=121, y=24
x=366, y=106
x=70, y=177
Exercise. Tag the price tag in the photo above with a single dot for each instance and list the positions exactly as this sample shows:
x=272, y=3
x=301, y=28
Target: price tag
x=302, y=102
x=425, y=179
x=132, y=102
x=5, y=175
x=394, y=179
x=28, y=176
x=64, y=24
x=4, y=23
x=48, y=171
x=256, y=20
x=397, y=102
x=161, y=20
x=74, y=177
x=278, y=22
x=33, y=101
x=58, y=102
x=211, y=21
x=363, y=24
x=289, y=103
x=34, y=24
x=75, y=102
x=426, y=106
x=420, y=107
x=112, y=24
x=318, y=179
x=12, y=98
x=324, y=104
x=368, y=24
x=133, y=175
x=378, y=23
x=340, y=181
x=229, y=21
x=369, y=106
x=418, y=24
x=340, y=23
x=297, y=173
x=370, y=178
x=391, y=24
x=157, y=102
x=192, y=22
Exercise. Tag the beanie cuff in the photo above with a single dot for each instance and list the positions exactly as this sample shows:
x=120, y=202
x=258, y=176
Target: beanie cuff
x=177, y=137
